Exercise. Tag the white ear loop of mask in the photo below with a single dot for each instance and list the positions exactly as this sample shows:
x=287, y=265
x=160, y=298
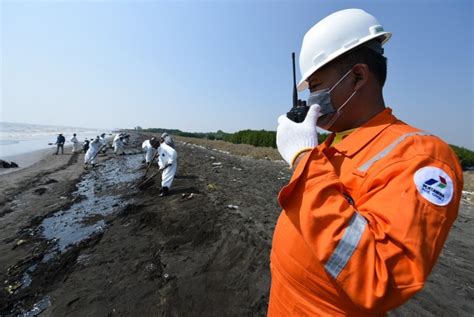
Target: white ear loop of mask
x=339, y=111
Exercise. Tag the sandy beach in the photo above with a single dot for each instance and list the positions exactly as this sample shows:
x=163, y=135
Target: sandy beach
x=31, y=157
x=27, y=159
x=81, y=242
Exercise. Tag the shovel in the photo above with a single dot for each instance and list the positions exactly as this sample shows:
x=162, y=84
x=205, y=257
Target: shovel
x=149, y=164
x=148, y=181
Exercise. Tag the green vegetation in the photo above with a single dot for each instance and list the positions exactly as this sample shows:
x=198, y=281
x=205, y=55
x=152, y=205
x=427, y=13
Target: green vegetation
x=260, y=138
x=263, y=138
x=466, y=157
x=177, y=132
x=256, y=138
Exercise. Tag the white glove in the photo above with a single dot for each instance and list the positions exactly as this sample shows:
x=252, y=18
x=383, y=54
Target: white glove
x=294, y=138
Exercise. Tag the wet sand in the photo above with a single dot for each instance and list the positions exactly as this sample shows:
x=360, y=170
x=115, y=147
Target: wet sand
x=90, y=243
x=27, y=159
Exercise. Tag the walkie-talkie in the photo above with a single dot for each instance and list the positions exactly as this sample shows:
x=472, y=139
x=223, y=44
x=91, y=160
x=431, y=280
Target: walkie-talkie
x=300, y=109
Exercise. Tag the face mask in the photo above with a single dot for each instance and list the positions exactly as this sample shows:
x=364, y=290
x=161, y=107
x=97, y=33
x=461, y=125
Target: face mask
x=328, y=114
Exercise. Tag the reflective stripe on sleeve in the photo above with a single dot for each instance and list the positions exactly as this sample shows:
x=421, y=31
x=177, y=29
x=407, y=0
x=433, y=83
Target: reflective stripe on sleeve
x=388, y=149
x=346, y=246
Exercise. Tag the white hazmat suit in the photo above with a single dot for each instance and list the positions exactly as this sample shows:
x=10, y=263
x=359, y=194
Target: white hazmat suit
x=92, y=152
x=167, y=157
x=103, y=142
x=116, y=137
x=75, y=144
x=168, y=139
x=118, y=146
x=150, y=151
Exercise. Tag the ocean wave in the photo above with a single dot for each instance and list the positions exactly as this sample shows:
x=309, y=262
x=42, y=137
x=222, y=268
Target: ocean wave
x=23, y=132
x=8, y=142
x=19, y=138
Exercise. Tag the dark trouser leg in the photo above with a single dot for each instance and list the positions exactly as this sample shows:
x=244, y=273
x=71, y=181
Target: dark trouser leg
x=164, y=191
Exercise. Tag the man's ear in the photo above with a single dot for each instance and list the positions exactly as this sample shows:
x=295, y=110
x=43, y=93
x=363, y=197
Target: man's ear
x=361, y=74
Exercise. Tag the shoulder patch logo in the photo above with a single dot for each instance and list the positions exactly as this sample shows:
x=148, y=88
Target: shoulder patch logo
x=434, y=185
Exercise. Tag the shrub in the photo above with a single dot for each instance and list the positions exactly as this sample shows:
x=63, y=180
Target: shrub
x=466, y=157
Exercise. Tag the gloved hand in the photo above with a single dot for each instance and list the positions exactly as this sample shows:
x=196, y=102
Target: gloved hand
x=294, y=138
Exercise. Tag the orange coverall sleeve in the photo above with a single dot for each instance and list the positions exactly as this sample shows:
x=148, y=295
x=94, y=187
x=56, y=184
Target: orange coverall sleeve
x=400, y=233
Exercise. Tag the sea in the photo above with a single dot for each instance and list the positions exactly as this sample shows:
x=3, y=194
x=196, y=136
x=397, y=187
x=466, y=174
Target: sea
x=20, y=138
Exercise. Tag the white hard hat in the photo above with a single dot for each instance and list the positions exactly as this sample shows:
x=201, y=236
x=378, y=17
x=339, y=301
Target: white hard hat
x=335, y=35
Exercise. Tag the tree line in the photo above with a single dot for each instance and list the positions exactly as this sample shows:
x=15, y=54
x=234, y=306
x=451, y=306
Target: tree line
x=263, y=138
x=466, y=157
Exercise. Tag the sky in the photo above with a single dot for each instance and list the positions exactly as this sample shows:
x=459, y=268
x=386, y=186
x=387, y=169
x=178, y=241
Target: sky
x=204, y=66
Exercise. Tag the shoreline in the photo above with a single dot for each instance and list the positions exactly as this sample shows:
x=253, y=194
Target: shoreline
x=28, y=159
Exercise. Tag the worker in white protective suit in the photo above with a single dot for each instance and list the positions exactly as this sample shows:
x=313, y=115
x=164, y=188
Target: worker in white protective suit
x=116, y=137
x=103, y=142
x=126, y=138
x=119, y=146
x=85, y=145
x=92, y=152
x=167, y=161
x=150, y=151
x=75, y=144
x=165, y=137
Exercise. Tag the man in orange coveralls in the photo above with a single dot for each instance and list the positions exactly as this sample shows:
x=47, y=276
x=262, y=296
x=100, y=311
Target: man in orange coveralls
x=366, y=213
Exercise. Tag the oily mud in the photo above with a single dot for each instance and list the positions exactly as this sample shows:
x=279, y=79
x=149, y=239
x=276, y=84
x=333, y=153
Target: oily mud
x=97, y=195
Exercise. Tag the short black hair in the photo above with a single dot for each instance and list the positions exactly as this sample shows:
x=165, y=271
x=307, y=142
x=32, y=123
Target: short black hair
x=376, y=62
